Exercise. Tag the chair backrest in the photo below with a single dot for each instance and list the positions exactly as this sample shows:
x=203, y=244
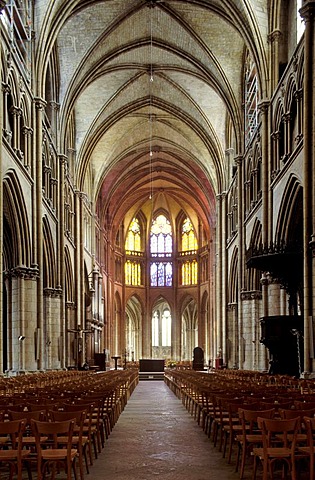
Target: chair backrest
x=272, y=427
x=310, y=428
x=77, y=416
x=249, y=418
x=276, y=405
x=293, y=413
x=27, y=416
x=52, y=430
x=14, y=429
x=304, y=405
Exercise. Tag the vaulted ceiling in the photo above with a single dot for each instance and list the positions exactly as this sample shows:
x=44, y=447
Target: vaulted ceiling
x=154, y=88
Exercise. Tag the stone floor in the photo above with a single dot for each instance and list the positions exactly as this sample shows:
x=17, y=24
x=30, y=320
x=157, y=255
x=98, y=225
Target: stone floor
x=155, y=437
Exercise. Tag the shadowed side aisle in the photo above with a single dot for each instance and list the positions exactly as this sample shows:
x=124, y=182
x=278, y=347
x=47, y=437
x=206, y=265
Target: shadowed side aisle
x=155, y=435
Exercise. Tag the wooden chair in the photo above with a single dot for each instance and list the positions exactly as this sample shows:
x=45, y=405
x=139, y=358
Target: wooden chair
x=302, y=435
x=226, y=417
x=310, y=448
x=88, y=430
x=28, y=438
x=274, y=449
x=50, y=453
x=80, y=442
x=13, y=454
x=250, y=436
x=231, y=428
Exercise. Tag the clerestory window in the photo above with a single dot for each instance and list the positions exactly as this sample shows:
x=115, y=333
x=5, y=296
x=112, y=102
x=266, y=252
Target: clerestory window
x=161, y=249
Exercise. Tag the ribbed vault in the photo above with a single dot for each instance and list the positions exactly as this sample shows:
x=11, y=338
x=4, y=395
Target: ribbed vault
x=154, y=88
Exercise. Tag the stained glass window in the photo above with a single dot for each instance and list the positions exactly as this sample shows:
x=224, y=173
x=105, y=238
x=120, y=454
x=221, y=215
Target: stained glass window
x=161, y=237
x=132, y=273
x=189, y=247
x=161, y=274
x=189, y=240
x=190, y=273
x=133, y=247
x=133, y=240
x=161, y=246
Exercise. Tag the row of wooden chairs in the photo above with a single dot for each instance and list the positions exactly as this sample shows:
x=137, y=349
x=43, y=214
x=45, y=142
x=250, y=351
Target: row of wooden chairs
x=253, y=416
x=85, y=413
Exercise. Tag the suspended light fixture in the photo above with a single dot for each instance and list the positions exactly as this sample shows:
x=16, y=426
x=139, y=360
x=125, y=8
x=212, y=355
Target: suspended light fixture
x=150, y=102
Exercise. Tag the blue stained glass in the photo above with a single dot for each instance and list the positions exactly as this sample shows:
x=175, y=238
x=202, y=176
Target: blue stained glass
x=153, y=274
x=161, y=278
x=169, y=274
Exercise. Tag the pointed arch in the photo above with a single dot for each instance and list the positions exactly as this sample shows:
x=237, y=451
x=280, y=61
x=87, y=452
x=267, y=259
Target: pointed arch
x=289, y=227
x=16, y=221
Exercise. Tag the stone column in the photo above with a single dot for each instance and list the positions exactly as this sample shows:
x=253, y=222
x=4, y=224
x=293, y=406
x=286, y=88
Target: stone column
x=22, y=318
x=38, y=225
x=263, y=353
x=273, y=296
x=5, y=121
x=218, y=279
x=233, y=316
x=78, y=261
x=224, y=278
x=2, y=5
x=16, y=115
x=241, y=255
x=27, y=132
x=299, y=103
x=266, y=214
x=52, y=338
x=273, y=39
x=308, y=14
x=61, y=272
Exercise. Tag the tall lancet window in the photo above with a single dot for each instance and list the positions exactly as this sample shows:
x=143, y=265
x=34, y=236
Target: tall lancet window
x=189, y=250
x=161, y=249
x=133, y=271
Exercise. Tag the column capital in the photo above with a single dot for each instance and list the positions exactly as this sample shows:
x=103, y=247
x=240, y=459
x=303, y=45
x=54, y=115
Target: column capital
x=40, y=103
x=307, y=11
x=263, y=106
x=27, y=131
x=274, y=36
x=63, y=158
x=239, y=160
x=22, y=271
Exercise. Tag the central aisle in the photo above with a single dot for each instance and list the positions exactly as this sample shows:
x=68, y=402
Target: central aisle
x=155, y=436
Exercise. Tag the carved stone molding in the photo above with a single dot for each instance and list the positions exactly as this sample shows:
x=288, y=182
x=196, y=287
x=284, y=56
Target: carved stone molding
x=251, y=295
x=30, y=273
x=232, y=306
x=53, y=292
x=70, y=306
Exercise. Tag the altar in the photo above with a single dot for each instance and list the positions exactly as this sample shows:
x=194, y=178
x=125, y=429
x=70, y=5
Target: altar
x=151, y=368
x=151, y=365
